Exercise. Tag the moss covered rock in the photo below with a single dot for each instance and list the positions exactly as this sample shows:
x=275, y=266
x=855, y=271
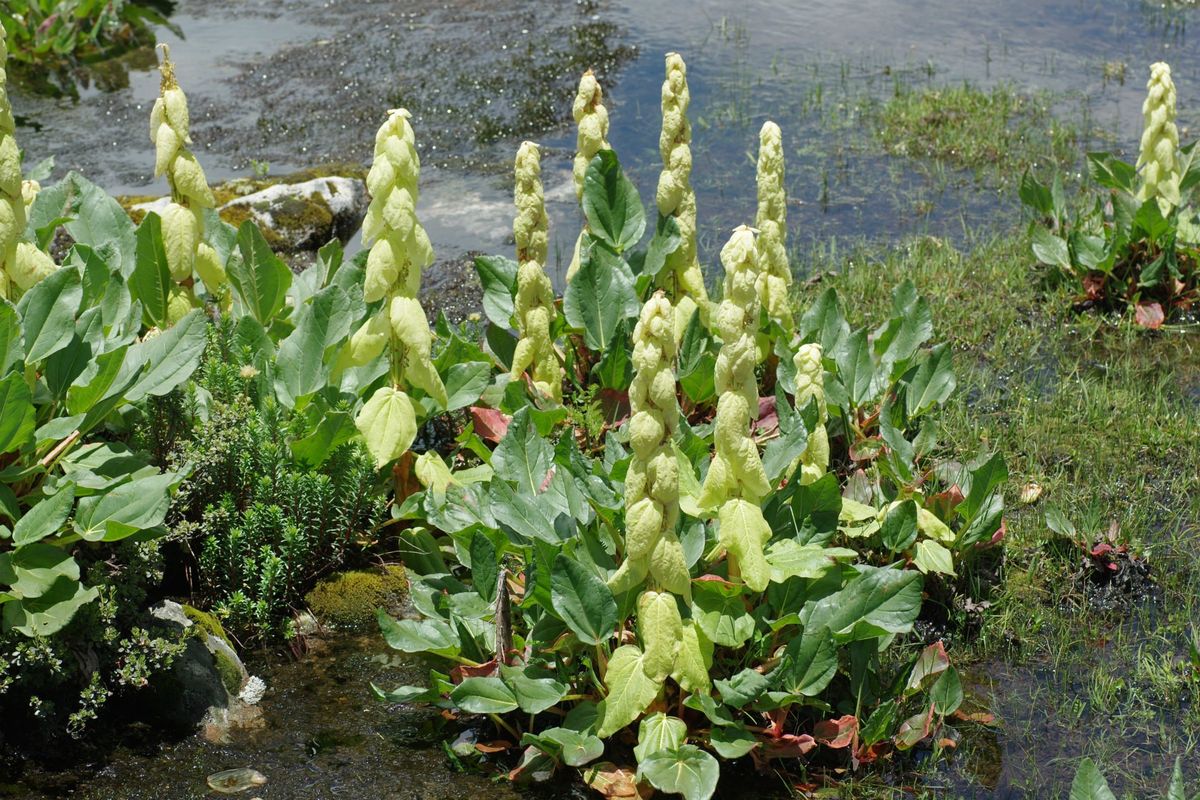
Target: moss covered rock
x=206, y=622
x=347, y=600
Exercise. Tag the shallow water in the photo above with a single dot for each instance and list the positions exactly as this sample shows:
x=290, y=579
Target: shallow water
x=306, y=81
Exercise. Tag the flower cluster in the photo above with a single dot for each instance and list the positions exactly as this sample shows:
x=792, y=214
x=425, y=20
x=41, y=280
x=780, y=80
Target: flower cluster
x=183, y=217
x=681, y=275
x=591, y=118
x=775, y=281
x=737, y=482
x=810, y=385
x=534, y=302
x=1159, y=156
x=22, y=264
x=400, y=249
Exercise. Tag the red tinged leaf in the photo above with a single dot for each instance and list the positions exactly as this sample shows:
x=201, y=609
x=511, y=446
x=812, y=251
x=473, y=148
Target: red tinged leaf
x=767, y=423
x=1093, y=287
x=980, y=717
x=617, y=783
x=1149, y=315
x=546, y=480
x=1000, y=533
x=932, y=662
x=788, y=746
x=614, y=404
x=489, y=423
x=914, y=729
x=463, y=671
x=836, y=733
x=498, y=746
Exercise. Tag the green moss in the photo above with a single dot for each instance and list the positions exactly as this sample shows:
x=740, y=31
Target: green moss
x=348, y=600
x=230, y=672
x=206, y=623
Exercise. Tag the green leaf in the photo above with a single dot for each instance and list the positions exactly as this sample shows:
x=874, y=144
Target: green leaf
x=731, y=742
x=855, y=370
x=666, y=240
x=825, y=323
x=151, y=282
x=484, y=696
x=809, y=663
x=260, y=278
x=629, y=690
x=48, y=314
x=485, y=565
x=576, y=749
x=1050, y=249
x=51, y=611
x=947, y=694
x=388, y=424
x=466, y=382
x=742, y=689
x=1089, y=784
x=932, y=383
x=32, y=570
x=599, y=296
x=879, y=601
x=932, y=556
x=131, y=507
x=301, y=368
x=744, y=531
x=11, y=349
x=1111, y=172
x=335, y=429
x=534, y=695
x=523, y=456
x=96, y=382
x=611, y=204
x=721, y=614
x=46, y=518
x=417, y=636
x=17, y=414
x=687, y=770
x=169, y=358
x=988, y=477
x=899, y=528
x=659, y=732
x=406, y=694
x=499, y=278
x=1036, y=195
x=583, y=601
x=96, y=220
x=790, y=559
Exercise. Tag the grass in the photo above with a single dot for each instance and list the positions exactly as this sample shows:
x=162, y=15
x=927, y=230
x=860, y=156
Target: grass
x=1103, y=417
x=1000, y=130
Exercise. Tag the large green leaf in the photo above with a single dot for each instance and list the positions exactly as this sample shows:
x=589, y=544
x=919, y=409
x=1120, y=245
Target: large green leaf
x=48, y=314
x=151, y=282
x=46, y=518
x=931, y=383
x=49, y=612
x=719, y=611
x=523, y=455
x=11, y=349
x=744, y=532
x=498, y=275
x=32, y=570
x=658, y=732
x=575, y=748
x=1089, y=784
x=259, y=277
x=809, y=663
x=599, y=296
x=611, y=204
x=583, y=601
x=417, y=636
x=534, y=695
x=95, y=219
x=465, y=382
x=17, y=416
x=301, y=368
x=484, y=696
x=743, y=688
x=687, y=770
x=877, y=602
x=388, y=424
x=629, y=690
x=97, y=380
x=169, y=358
x=131, y=507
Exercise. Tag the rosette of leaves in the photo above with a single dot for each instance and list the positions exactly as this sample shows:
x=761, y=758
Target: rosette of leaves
x=22, y=264
x=187, y=253
x=71, y=361
x=534, y=307
x=1136, y=245
x=399, y=250
x=652, y=547
x=1158, y=157
x=591, y=120
x=680, y=275
x=775, y=280
x=736, y=482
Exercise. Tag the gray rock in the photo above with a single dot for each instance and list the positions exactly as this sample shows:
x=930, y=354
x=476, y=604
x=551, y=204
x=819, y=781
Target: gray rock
x=304, y=216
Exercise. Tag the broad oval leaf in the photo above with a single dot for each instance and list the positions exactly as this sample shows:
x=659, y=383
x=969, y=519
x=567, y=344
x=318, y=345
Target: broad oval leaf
x=583, y=601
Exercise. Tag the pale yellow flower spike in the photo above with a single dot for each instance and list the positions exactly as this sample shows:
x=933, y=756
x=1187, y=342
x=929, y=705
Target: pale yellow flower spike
x=400, y=249
x=22, y=264
x=681, y=275
x=810, y=385
x=591, y=118
x=737, y=482
x=652, y=483
x=534, y=307
x=1159, y=156
x=775, y=282
x=183, y=218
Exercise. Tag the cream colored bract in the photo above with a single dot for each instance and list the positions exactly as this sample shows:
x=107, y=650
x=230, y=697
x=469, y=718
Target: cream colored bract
x=1159, y=156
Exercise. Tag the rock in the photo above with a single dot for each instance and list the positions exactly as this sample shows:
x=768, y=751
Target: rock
x=347, y=600
x=303, y=216
x=200, y=690
x=253, y=691
x=232, y=781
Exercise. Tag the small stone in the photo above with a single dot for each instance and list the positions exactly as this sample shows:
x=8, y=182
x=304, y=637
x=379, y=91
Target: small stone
x=1030, y=493
x=232, y=781
x=253, y=691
